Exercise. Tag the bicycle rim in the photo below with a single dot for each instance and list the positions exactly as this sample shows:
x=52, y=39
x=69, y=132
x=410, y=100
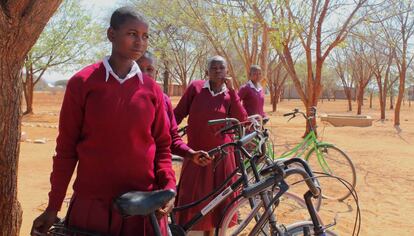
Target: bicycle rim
x=298, y=229
x=240, y=221
x=335, y=162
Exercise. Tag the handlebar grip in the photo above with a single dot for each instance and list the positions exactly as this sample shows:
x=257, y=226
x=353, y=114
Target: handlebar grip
x=289, y=114
x=215, y=122
x=219, y=121
x=247, y=138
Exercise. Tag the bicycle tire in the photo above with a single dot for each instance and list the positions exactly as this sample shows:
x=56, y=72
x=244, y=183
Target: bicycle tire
x=297, y=229
x=337, y=163
x=243, y=205
x=294, y=190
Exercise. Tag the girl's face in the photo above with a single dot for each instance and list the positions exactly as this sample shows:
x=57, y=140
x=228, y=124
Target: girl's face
x=217, y=71
x=130, y=40
x=255, y=75
x=146, y=66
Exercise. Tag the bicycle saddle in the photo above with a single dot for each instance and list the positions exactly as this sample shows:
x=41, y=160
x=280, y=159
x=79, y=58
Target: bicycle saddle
x=142, y=203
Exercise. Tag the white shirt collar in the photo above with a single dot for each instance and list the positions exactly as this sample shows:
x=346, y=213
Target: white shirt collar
x=135, y=70
x=251, y=85
x=207, y=85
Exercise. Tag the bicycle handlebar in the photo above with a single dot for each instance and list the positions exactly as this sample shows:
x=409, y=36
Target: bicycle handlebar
x=238, y=144
x=306, y=172
x=225, y=120
x=312, y=185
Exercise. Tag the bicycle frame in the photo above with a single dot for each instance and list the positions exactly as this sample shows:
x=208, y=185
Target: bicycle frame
x=223, y=192
x=309, y=143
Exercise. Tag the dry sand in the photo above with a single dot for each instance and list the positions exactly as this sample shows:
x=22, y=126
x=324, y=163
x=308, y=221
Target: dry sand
x=383, y=157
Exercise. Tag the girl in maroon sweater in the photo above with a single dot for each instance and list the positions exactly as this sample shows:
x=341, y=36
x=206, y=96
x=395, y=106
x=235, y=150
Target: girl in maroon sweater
x=113, y=127
x=206, y=100
x=251, y=94
x=178, y=147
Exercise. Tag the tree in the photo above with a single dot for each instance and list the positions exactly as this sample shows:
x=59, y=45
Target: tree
x=361, y=71
x=63, y=44
x=308, y=22
x=340, y=62
x=403, y=25
x=276, y=80
x=380, y=62
x=21, y=22
x=179, y=48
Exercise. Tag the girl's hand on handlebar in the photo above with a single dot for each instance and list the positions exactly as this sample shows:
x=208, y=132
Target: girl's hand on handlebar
x=200, y=158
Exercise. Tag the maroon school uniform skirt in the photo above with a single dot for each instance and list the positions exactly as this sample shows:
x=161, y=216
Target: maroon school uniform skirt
x=98, y=215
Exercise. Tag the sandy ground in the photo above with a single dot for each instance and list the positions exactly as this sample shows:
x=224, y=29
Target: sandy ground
x=383, y=156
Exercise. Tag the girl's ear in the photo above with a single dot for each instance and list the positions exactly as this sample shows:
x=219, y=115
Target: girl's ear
x=206, y=73
x=110, y=33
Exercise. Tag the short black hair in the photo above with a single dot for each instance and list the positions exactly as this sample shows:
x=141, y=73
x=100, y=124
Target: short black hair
x=122, y=14
x=148, y=55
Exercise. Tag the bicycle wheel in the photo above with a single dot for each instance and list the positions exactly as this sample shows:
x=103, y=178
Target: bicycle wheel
x=335, y=162
x=297, y=190
x=177, y=163
x=290, y=209
x=299, y=229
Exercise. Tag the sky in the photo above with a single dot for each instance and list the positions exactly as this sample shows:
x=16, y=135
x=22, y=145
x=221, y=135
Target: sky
x=101, y=10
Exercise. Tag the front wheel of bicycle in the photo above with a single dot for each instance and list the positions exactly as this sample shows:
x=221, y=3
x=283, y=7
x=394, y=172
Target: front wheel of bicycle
x=290, y=208
x=304, y=228
x=333, y=161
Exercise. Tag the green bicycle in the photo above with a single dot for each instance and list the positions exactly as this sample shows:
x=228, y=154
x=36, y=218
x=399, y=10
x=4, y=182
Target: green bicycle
x=323, y=158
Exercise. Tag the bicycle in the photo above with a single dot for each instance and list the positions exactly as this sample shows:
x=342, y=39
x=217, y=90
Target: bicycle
x=129, y=204
x=222, y=192
x=323, y=157
x=280, y=170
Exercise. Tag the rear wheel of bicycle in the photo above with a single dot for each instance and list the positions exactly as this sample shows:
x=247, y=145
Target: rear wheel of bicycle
x=336, y=163
x=291, y=208
x=301, y=228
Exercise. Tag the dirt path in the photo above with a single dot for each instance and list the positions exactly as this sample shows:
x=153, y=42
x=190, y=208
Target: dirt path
x=384, y=159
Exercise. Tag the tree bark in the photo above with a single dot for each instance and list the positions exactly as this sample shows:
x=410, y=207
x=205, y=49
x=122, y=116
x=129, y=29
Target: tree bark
x=401, y=87
x=370, y=99
x=21, y=23
x=360, y=100
x=28, y=87
x=348, y=94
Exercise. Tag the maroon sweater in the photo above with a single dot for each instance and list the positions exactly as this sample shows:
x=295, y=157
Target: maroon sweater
x=116, y=133
x=178, y=147
x=253, y=100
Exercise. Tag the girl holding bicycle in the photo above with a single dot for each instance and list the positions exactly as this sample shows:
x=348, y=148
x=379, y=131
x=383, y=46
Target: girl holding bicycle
x=178, y=147
x=206, y=100
x=113, y=127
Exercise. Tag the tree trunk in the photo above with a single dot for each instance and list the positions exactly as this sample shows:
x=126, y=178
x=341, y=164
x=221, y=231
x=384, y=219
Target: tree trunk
x=370, y=99
x=348, y=95
x=360, y=100
x=21, y=23
x=28, y=87
x=10, y=114
x=391, y=99
x=401, y=88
